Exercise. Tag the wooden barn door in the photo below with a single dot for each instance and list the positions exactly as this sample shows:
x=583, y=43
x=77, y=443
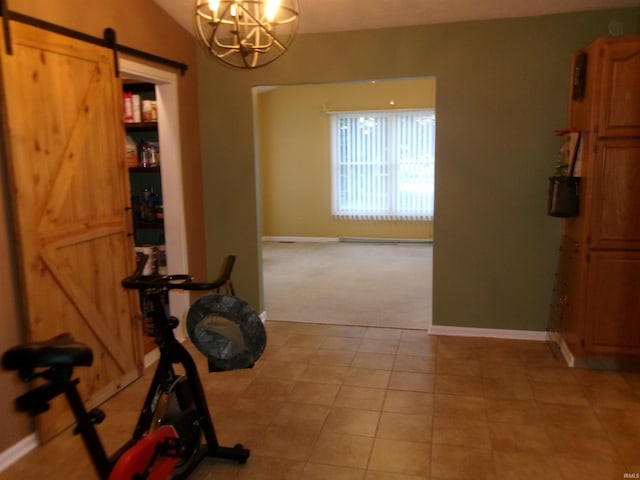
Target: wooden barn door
x=69, y=186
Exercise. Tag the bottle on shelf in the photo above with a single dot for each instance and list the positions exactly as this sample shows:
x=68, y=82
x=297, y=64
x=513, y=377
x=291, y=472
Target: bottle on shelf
x=131, y=152
x=149, y=204
x=150, y=155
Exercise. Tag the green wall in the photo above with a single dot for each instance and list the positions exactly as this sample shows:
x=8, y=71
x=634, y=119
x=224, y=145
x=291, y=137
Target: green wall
x=502, y=88
x=295, y=156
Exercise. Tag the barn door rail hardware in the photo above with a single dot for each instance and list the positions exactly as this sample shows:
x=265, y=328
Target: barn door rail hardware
x=109, y=40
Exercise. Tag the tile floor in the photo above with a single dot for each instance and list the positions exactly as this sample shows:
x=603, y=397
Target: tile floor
x=356, y=403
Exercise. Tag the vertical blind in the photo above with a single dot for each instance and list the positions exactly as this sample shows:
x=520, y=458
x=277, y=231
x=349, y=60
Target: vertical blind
x=383, y=164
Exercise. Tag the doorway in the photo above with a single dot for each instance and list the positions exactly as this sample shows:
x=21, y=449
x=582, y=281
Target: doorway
x=166, y=89
x=294, y=151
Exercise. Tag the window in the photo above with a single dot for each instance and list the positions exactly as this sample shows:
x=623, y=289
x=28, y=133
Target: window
x=383, y=164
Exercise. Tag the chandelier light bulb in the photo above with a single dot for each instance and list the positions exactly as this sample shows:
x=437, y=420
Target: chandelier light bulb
x=271, y=9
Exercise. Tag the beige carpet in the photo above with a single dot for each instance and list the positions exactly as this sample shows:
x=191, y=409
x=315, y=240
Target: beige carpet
x=365, y=284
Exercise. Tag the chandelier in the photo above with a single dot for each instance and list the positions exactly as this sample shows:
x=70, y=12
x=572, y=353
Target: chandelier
x=246, y=33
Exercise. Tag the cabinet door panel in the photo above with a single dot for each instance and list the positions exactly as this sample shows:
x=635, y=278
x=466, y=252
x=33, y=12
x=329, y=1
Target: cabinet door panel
x=616, y=196
x=620, y=100
x=613, y=303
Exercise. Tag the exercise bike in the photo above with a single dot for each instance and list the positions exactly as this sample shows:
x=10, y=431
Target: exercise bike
x=167, y=441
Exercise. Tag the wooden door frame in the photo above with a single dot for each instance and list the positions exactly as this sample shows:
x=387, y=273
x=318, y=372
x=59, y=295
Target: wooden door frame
x=172, y=187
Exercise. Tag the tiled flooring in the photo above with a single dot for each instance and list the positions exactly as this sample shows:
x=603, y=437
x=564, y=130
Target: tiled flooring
x=356, y=403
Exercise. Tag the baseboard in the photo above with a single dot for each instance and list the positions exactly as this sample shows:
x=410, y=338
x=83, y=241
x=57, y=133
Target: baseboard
x=564, y=349
x=299, y=239
x=151, y=357
x=391, y=241
x=346, y=240
x=488, y=332
x=14, y=453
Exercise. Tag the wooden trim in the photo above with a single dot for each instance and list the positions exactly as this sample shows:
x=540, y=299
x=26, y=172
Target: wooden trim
x=532, y=335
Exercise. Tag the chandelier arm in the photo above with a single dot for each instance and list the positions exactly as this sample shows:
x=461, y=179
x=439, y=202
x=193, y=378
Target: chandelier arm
x=255, y=59
x=212, y=38
x=261, y=26
x=227, y=53
x=230, y=48
x=274, y=40
x=293, y=17
x=256, y=33
x=249, y=14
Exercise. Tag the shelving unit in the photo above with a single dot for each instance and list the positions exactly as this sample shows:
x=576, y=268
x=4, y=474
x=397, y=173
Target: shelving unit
x=145, y=184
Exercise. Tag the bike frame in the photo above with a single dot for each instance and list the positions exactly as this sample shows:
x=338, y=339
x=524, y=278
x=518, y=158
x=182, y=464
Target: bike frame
x=172, y=353
x=159, y=447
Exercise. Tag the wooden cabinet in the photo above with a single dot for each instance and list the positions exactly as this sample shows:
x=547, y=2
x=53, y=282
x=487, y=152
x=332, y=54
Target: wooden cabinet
x=610, y=101
x=612, y=322
x=616, y=195
x=596, y=305
x=145, y=181
x=618, y=110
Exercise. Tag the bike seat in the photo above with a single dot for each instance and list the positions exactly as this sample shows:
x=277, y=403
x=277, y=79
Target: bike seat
x=59, y=351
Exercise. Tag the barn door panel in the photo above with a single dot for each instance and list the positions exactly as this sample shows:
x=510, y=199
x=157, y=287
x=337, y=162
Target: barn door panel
x=70, y=184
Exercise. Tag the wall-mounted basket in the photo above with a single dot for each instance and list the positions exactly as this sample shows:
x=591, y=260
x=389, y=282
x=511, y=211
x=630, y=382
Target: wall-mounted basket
x=564, y=190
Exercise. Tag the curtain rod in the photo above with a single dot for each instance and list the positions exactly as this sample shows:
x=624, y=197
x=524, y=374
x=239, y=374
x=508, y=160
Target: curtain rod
x=109, y=40
x=328, y=111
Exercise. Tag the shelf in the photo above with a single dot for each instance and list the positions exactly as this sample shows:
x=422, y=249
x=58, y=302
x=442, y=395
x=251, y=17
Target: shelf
x=148, y=225
x=144, y=169
x=141, y=125
x=135, y=86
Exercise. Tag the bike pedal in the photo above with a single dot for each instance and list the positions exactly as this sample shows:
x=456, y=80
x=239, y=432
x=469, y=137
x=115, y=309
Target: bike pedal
x=96, y=416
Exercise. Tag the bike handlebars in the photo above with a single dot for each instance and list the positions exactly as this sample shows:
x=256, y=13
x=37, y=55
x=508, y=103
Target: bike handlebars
x=137, y=281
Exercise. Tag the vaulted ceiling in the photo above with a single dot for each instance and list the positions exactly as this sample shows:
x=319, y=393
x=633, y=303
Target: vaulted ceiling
x=318, y=16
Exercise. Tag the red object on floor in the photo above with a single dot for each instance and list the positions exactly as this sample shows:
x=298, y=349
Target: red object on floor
x=135, y=460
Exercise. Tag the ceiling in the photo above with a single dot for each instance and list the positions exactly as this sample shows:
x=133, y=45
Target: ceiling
x=317, y=16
